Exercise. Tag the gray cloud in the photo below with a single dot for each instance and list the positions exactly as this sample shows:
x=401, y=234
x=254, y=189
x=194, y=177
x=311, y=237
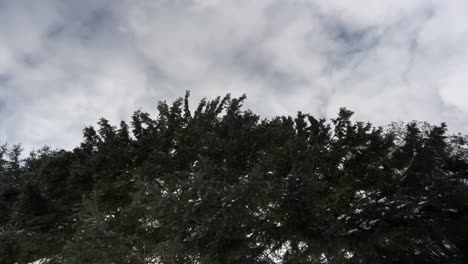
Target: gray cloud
x=64, y=64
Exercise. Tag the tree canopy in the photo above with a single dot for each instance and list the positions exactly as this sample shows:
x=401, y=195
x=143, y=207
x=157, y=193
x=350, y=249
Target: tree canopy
x=222, y=185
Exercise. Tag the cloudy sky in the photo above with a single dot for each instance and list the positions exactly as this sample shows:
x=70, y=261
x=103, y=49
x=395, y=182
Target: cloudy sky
x=65, y=63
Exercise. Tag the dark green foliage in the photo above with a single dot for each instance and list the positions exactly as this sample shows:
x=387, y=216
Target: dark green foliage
x=220, y=185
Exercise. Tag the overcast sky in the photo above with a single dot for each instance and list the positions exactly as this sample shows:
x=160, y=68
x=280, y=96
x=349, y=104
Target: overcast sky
x=65, y=63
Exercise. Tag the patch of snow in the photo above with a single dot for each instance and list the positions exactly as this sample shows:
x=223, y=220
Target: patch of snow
x=108, y=217
x=401, y=206
x=270, y=205
x=153, y=260
x=40, y=261
x=382, y=200
x=358, y=211
x=446, y=244
x=341, y=217
x=323, y=258
x=360, y=194
x=369, y=225
x=277, y=256
x=302, y=245
x=365, y=226
x=340, y=166
x=348, y=254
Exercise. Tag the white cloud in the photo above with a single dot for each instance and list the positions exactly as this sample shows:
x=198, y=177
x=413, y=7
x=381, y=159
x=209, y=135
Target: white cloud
x=64, y=64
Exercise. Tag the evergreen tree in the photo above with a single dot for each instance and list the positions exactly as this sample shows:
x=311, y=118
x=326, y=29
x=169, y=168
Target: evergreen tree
x=222, y=185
